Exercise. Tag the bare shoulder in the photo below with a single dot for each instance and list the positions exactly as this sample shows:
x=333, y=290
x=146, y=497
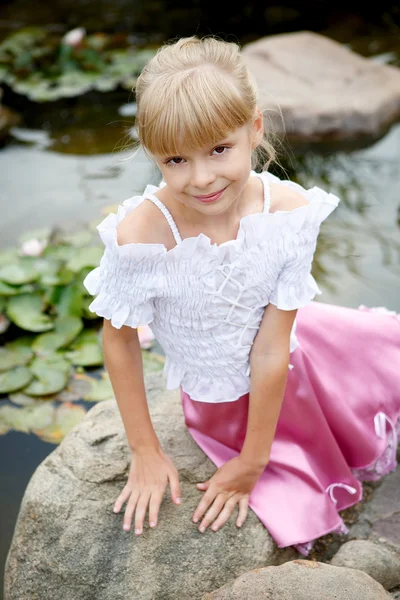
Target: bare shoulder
x=145, y=224
x=285, y=198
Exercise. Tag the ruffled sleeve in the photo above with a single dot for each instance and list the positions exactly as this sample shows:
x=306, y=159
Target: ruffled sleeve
x=296, y=286
x=127, y=281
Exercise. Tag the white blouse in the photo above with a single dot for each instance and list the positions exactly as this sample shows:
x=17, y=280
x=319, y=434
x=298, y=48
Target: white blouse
x=205, y=302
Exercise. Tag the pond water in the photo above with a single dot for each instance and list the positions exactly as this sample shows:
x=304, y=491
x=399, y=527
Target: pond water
x=65, y=173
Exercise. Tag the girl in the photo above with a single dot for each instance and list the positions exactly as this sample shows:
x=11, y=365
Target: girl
x=218, y=259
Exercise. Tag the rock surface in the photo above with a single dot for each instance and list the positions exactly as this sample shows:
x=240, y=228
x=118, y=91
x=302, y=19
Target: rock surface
x=324, y=90
x=376, y=560
x=301, y=580
x=68, y=543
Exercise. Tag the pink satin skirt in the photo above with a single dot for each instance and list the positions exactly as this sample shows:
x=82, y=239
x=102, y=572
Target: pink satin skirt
x=338, y=424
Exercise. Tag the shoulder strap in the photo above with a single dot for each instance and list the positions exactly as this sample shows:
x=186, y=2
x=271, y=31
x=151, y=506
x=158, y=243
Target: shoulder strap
x=167, y=215
x=267, y=192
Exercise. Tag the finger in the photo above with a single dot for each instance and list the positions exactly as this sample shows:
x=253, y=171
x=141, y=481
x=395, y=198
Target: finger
x=213, y=512
x=203, y=486
x=124, y=495
x=204, y=503
x=154, y=507
x=175, y=486
x=140, y=513
x=226, y=512
x=130, y=508
x=243, y=511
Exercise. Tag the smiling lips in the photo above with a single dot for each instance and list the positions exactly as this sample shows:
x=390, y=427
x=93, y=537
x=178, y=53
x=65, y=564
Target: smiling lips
x=210, y=197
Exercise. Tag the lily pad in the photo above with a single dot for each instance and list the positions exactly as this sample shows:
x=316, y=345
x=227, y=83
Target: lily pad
x=24, y=419
x=12, y=355
x=15, y=379
x=19, y=273
x=86, y=351
x=8, y=256
x=69, y=301
x=66, y=328
x=100, y=389
x=65, y=418
x=78, y=238
x=75, y=390
x=152, y=362
x=60, y=251
x=47, y=381
x=21, y=399
x=2, y=304
x=11, y=290
x=89, y=258
x=26, y=312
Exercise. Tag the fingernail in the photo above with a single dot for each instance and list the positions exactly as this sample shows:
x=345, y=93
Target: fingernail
x=152, y=523
x=202, y=529
x=195, y=519
x=115, y=509
x=126, y=527
x=214, y=528
x=138, y=531
x=178, y=500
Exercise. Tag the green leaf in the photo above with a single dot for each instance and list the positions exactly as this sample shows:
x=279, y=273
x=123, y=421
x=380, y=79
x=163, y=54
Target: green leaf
x=79, y=239
x=69, y=301
x=38, y=415
x=101, y=389
x=8, y=256
x=19, y=273
x=26, y=312
x=10, y=290
x=12, y=355
x=89, y=258
x=66, y=328
x=15, y=379
x=51, y=376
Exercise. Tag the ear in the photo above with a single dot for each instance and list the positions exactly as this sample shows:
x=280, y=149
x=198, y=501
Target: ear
x=258, y=128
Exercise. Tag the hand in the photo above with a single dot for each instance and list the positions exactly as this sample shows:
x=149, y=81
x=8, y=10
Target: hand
x=231, y=484
x=150, y=471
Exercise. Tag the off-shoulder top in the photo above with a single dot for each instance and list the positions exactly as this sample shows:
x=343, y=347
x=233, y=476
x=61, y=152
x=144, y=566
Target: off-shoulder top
x=203, y=301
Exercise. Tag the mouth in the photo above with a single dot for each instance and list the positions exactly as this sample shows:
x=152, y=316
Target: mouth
x=210, y=197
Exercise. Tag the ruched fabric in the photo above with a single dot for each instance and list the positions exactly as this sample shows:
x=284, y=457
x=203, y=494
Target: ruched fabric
x=204, y=301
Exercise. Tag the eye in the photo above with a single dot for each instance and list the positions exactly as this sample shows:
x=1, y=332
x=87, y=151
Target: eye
x=220, y=149
x=177, y=161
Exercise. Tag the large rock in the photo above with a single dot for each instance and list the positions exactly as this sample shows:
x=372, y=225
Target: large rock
x=376, y=560
x=324, y=90
x=302, y=580
x=69, y=545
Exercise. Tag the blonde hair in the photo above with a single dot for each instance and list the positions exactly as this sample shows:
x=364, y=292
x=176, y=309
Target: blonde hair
x=194, y=92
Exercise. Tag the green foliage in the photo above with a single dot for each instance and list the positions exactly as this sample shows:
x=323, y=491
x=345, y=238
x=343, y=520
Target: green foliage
x=43, y=67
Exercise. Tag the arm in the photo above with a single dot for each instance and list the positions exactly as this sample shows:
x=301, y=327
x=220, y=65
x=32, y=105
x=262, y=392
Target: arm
x=123, y=360
x=269, y=361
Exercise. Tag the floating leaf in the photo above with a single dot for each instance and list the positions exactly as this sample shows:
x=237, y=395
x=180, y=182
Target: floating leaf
x=86, y=313
x=48, y=381
x=24, y=419
x=86, y=351
x=23, y=400
x=152, y=362
x=8, y=256
x=60, y=251
x=100, y=389
x=11, y=290
x=15, y=379
x=2, y=304
x=89, y=258
x=26, y=312
x=14, y=355
x=66, y=417
x=66, y=329
x=18, y=273
x=69, y=301
x=75, y=390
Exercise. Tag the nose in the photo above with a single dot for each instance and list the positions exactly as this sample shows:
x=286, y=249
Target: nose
x=202, y=176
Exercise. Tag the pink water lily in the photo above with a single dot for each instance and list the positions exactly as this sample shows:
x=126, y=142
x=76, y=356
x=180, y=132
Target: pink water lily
x=33, y=247
x=74, y=37
x=146, y=336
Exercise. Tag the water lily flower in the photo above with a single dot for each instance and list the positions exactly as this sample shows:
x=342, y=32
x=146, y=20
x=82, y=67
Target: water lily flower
x=146, y=336
x=33, y=247
x=74, y=37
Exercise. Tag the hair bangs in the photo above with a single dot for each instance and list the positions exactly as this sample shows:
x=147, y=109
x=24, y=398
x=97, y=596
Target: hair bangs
x=200, y=109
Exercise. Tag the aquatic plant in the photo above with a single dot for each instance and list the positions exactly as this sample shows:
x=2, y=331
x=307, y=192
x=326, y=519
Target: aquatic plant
x=51, y=351
x=44, y=66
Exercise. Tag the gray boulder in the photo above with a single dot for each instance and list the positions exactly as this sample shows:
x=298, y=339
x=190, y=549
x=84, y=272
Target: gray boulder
x=376, y=560
x=69, y=545
x=324, y=90
x=302, y=580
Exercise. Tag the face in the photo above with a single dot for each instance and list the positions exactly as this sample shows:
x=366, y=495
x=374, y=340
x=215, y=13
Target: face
x=210, y=180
